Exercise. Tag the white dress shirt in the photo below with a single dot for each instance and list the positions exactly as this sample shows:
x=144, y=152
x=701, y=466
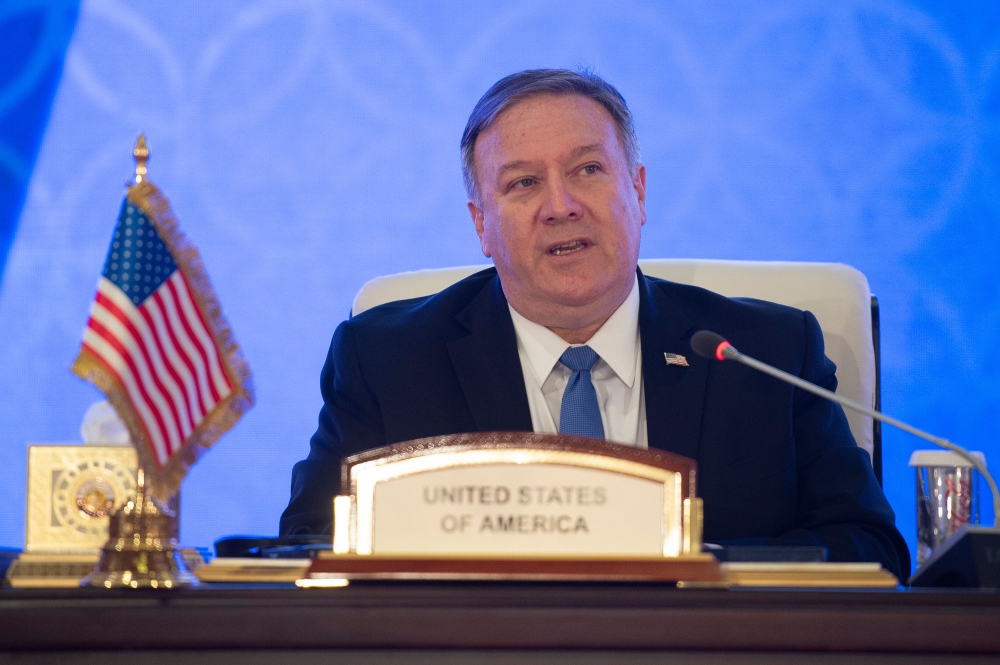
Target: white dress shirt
x=617, y=376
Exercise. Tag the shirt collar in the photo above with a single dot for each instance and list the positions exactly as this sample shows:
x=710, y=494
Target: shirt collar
x=616, y=342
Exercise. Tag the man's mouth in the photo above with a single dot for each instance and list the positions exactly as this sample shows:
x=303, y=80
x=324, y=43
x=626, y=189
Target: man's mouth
x=568, y=247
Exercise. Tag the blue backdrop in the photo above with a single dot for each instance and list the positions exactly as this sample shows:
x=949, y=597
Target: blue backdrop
x=33, y=39
x=309, y=146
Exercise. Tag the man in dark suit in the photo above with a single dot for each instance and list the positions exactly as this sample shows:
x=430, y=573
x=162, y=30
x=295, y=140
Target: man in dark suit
x=565, y=334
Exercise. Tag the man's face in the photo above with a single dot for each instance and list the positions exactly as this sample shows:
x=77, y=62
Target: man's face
x=560, y=213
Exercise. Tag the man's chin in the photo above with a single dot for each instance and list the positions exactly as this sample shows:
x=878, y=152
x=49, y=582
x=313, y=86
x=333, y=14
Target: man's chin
x=561, y=293
x=578, y=296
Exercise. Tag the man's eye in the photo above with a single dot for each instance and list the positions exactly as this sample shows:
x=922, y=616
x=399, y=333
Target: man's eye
x=590, y=169
x=524, y=182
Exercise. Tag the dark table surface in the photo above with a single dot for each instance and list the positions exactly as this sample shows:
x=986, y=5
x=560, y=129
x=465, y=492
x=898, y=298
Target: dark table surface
x=426, y=615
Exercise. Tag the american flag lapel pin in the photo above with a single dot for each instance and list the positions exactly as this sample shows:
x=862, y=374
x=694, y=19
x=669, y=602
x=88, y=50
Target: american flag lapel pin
x=676, y=359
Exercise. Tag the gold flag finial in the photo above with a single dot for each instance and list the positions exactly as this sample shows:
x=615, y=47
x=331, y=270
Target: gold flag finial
x=141, y=154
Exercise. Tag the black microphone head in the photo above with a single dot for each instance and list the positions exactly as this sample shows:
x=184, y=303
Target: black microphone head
x=705, y=342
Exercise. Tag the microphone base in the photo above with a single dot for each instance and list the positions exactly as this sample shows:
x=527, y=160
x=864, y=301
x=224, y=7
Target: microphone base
x=970, y=558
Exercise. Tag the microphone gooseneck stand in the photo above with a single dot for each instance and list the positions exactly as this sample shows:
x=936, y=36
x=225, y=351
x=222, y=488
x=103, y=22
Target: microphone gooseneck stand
x=713, y=346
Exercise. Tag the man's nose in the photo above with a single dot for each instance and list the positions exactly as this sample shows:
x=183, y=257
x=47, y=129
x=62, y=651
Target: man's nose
x=560, y=204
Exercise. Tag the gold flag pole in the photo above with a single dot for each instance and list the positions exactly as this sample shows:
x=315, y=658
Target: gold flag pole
x=141, y=550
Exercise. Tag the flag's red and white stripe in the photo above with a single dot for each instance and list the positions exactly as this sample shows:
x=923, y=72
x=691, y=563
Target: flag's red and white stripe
x=163, y=355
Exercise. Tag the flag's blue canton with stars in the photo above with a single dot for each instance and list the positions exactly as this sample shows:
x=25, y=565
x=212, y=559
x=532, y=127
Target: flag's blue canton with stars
x=138, y=261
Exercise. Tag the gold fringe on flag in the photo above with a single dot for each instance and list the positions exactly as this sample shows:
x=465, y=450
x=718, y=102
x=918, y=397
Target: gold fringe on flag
x=163, y=482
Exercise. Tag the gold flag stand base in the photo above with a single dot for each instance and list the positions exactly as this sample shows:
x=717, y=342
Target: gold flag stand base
x=141, y=551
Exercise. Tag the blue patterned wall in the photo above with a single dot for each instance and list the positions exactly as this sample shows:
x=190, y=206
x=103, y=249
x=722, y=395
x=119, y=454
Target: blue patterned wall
x=33, y=39
x=309, y=146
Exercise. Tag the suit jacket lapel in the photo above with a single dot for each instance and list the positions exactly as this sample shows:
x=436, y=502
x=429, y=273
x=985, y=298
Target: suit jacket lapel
x=675, y=394
x=488, y=366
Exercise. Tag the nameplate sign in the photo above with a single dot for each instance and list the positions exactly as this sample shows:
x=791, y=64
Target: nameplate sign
x=517, y=494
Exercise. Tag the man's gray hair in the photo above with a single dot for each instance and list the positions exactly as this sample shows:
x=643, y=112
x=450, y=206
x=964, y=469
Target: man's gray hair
x=515, y=88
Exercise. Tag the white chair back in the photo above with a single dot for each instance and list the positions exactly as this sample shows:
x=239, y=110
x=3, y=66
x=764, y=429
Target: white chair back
x=837, y=294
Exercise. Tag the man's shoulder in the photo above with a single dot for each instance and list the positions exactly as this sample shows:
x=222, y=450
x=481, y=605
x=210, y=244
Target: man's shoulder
x=426, y=312
x=703, y=305
x=768, y=329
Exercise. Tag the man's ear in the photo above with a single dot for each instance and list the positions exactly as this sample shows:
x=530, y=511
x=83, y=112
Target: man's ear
x=639, y=184
x=478, y=218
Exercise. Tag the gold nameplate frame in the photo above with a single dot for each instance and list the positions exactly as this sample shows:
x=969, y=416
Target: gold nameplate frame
x=601, y=499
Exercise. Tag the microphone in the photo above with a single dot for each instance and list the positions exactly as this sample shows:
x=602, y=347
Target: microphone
x=708, y=344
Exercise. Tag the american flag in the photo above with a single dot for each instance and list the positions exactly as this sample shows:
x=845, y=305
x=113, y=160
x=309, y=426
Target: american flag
x=676, y=359
x=153, y=348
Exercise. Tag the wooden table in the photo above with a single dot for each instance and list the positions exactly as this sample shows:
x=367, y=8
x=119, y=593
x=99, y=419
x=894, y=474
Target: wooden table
x=450, y=622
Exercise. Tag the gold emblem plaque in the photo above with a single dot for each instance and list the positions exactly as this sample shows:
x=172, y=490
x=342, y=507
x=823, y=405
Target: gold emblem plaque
x=71, y=491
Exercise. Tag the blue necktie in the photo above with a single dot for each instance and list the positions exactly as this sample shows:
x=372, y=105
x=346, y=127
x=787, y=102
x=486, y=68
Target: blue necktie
x=580, y=413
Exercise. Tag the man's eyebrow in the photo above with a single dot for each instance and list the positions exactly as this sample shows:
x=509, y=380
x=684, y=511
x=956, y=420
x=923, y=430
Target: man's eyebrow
x=573, y=154
x=584, y=149
x=513, y=166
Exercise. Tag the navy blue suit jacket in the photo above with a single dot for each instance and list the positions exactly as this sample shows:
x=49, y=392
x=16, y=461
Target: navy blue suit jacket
x=776, y=465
